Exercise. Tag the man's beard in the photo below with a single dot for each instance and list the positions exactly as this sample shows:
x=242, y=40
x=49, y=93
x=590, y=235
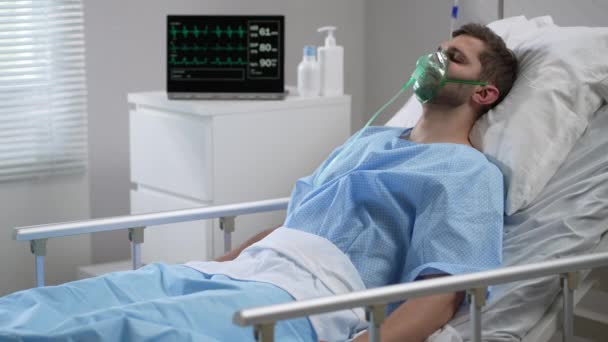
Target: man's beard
x=452, y=95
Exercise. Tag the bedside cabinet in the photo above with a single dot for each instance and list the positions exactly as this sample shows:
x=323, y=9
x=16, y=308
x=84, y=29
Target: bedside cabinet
x=186, y=154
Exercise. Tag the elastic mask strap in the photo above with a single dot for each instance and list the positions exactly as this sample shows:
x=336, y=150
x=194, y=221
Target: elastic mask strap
x=449, y=80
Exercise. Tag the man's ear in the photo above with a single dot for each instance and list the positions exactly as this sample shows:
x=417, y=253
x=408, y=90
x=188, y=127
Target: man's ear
x=486, y=95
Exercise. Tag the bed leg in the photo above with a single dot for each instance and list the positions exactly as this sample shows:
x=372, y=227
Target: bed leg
x=476, y=299
x=569, y=282
x=38, y=248
x=227, y=225
x=136, y=236
x=375, y=316
x=264, y=332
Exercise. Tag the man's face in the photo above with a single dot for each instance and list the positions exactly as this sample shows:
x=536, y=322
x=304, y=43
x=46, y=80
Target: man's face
x=463, y=52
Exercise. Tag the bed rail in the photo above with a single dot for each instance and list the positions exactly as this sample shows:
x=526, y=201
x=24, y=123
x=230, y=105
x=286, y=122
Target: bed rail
x=475, y=284
x=38, y=235
x=374, y=301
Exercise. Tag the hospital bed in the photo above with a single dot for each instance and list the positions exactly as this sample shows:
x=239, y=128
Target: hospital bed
x=574, y=205
x=549, y=247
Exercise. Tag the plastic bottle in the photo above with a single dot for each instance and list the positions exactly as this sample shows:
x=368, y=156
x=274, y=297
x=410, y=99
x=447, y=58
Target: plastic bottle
x=331, y=61
x=309, y=77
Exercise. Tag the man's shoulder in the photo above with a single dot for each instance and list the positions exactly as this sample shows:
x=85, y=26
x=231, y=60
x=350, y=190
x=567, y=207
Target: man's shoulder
x=480, y=170
x=483, y=162
x=466, y=161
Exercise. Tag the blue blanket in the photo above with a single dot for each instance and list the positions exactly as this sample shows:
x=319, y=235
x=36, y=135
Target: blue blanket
x=156, y=302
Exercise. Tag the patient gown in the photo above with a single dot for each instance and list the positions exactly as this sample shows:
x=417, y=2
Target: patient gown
x=400, y=210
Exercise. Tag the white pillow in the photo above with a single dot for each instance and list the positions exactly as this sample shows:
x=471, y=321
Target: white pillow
x=562, y=79
x=408, y=115
x=558, y=87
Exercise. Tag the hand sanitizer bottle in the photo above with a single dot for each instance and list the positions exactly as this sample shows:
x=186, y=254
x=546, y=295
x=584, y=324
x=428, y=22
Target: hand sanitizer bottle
x=331, y=61
x=309, y=80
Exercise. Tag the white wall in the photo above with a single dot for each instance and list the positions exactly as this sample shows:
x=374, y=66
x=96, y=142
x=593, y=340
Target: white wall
x=57, y=199
x=125, y=43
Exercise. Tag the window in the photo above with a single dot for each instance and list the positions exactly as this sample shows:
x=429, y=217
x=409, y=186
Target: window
x=43, y=120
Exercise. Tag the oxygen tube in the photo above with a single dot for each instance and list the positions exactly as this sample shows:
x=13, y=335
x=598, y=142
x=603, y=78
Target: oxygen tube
x=321, y=176
x=430, y=75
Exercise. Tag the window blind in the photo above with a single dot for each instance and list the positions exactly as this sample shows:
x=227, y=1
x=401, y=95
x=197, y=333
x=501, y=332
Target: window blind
x=43, y=120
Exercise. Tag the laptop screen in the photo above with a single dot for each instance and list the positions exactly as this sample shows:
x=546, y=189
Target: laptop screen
x=225, y=53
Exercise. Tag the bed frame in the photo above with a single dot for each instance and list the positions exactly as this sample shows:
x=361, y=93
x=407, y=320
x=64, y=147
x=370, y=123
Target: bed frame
x=374, y=300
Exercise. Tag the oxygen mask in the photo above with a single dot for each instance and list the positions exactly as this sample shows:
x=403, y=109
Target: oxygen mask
x=431, y=74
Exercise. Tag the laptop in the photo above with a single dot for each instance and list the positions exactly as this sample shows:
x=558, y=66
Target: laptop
x=225, y=57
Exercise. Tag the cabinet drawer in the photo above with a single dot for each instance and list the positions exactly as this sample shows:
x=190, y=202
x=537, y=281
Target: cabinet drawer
x=171, y=152
x=172, y=243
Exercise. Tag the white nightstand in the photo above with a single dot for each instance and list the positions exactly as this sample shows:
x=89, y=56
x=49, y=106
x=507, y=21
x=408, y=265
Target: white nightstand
x=198, y=153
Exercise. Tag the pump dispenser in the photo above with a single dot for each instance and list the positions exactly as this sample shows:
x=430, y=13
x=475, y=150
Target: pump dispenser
x=331, y=63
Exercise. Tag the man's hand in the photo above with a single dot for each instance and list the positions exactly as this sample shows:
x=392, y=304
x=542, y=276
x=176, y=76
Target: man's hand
x=418, y=318
x=235, y=252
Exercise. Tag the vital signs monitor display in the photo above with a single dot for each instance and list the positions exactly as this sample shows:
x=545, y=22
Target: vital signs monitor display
x=225, y=54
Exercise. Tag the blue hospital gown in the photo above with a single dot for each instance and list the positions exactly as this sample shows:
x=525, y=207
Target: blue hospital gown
x=400, y=209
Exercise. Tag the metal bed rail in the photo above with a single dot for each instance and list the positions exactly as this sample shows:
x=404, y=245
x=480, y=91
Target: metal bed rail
x=475, y=284
x=374, y=301
x=38, y=235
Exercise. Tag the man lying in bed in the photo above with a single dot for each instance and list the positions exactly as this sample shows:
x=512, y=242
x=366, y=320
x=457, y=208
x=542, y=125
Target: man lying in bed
x=397, y=206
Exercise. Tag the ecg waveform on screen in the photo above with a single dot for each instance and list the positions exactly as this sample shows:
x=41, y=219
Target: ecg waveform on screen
x=216, y=61
x=196, y=47
x=223, y=49
x=196, y=32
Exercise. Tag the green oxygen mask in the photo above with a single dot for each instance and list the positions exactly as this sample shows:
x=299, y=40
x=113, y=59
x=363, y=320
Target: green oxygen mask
x=431, y=74
x=428, y=78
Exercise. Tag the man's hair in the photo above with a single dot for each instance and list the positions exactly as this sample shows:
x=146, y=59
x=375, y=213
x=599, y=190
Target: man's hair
x=498, y=63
